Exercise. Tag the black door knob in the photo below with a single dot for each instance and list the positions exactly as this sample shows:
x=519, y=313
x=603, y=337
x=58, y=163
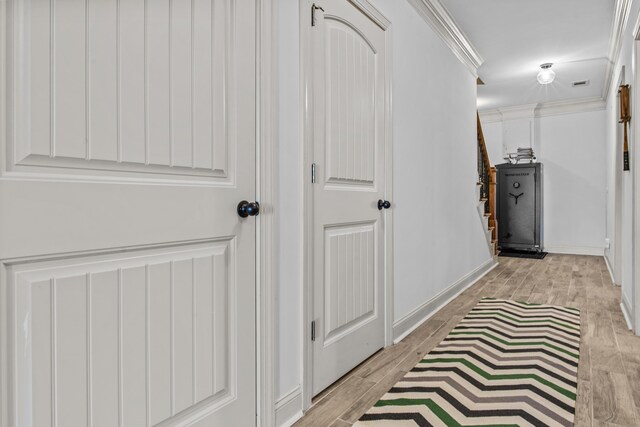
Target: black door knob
x=246, y=209
x=383, y=204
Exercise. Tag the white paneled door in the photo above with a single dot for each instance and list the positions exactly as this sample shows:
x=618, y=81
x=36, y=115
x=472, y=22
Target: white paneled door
x=349, y=154
x=128, y=277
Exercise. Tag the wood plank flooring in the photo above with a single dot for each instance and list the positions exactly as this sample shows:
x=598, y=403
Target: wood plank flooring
x=609, y=370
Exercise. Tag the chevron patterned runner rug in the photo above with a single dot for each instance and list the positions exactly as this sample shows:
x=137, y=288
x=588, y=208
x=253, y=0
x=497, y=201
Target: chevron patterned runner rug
x=506, y=363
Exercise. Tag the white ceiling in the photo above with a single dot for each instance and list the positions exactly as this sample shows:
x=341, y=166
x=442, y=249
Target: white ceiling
x=515, y=36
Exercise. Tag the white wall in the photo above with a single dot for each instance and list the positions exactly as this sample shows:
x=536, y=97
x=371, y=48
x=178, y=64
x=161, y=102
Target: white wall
x=493, y=139
x=438, y=237
x=438, y=234
x=572, y=150
x=507, y=136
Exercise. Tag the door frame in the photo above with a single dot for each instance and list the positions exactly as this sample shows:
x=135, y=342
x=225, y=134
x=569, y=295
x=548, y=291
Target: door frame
x=618, y=194
x=266, y=193
x=635, y=181
x=376, y=16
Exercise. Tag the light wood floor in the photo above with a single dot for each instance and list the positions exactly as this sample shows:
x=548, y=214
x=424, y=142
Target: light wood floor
x=609, y=370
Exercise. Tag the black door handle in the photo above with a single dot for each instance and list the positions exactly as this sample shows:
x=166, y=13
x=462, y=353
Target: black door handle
x=383, y=204
x=246, y=209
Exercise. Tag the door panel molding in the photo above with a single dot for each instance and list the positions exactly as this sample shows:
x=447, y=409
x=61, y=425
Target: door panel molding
x=146, y=109
x=88, y=309
x=344, y=167
x=341, y=314
x=380, y=20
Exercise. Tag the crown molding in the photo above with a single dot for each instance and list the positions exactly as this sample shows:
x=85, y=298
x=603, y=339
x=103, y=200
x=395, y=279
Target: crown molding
x=620, y=19
x=490, y=116
x=546, y=109
x=518, y=112
x=502, y=114
x=437, y=16
x=571, y=106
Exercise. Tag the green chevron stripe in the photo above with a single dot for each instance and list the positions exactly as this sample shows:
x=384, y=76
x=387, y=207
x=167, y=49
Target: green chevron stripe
x=492, y=377
x=518, y=344
x=444, y=416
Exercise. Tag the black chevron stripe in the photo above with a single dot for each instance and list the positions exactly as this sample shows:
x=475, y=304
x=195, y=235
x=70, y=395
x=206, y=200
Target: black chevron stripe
x=539, y=358
x=485, y=387
x=478, y=322
x=506, y=322
x=519, y=315
x=471, y=413
x=515, y=350
x=509, y=367
x=520, y=337
x=528, y=307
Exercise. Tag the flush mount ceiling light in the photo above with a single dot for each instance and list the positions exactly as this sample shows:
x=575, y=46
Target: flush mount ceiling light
x=546, y=75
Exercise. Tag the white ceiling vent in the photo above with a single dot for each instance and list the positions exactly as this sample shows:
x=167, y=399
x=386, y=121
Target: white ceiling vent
x=580, y=83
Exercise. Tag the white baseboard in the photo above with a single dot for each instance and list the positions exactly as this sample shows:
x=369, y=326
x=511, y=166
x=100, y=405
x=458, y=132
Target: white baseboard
x=289, y=408
x=417, y=317
x=606, y=261
x=574, y=250
x=626, y=311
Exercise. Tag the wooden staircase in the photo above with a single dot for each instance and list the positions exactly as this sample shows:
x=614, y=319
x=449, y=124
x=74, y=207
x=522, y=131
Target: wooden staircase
x=487, y=191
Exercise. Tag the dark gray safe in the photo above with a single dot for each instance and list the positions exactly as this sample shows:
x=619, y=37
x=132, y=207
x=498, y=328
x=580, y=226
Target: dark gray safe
x=519, y=206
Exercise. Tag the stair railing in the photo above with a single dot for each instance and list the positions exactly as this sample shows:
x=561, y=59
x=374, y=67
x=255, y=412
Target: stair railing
x=487, y=181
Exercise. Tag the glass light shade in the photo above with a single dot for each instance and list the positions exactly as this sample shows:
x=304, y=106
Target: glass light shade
x=546, y=76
